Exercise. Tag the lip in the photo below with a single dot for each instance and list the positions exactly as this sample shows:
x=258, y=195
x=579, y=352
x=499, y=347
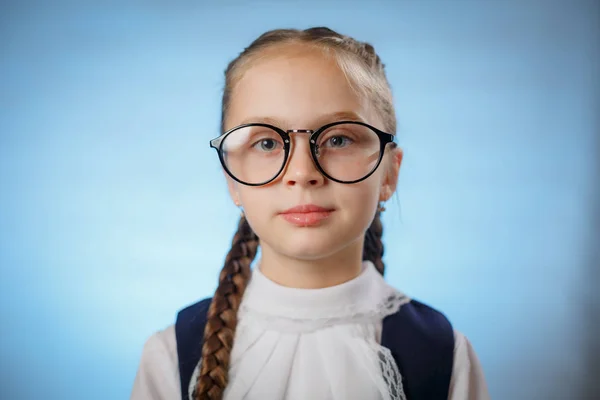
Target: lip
x=306, y=215
x=305, y=209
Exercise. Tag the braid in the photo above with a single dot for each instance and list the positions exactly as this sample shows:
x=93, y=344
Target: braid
x=364, y=68
x=373, y=247
x=365, y=51
x=222, y=314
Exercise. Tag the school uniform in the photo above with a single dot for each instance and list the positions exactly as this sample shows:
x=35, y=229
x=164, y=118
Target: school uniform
x=359, y=340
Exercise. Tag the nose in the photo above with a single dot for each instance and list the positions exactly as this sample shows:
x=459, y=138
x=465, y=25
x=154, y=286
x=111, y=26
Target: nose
x=301, y=169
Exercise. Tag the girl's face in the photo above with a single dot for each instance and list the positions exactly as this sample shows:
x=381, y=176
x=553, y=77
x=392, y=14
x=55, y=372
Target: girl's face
x=299, y=88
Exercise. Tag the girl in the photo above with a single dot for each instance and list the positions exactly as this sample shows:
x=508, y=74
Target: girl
x=308, y=150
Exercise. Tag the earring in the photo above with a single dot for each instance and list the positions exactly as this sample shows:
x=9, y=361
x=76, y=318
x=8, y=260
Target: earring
x=381, y=207
x=239, y=206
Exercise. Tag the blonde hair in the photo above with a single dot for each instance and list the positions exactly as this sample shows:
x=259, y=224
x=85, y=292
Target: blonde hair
x=358, y=61
x=365, y=73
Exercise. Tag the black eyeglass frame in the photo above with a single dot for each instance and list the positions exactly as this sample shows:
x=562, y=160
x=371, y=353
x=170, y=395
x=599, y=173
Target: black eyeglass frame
x=384, y=139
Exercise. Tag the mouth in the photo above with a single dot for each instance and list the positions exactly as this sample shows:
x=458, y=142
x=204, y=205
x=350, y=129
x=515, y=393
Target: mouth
x=307, y=215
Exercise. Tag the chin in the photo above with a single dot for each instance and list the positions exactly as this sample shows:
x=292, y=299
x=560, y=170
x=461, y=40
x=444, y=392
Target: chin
x=308, y=253
x=311, y=243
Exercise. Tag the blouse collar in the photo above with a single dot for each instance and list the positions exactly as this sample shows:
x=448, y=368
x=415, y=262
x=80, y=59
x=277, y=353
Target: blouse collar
x=367, y=295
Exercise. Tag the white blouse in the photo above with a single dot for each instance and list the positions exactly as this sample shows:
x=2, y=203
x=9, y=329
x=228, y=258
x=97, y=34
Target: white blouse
x=298, y=344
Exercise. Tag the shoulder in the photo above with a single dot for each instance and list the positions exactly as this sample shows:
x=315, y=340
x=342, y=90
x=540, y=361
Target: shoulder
x=421, y=340
x=422, y=319
x=192, y=318
x=418, y=327
x=465, y=356
x=422, y=328
x=194, y=308
x=157, y=375
x=468, y=378
x=189, y=337
x=161, y=344
x=189, y=326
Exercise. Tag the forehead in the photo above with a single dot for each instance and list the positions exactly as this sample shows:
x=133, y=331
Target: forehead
x=296, y=87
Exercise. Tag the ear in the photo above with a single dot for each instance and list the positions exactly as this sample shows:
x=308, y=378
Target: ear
x=233, y=190
x=392, y=170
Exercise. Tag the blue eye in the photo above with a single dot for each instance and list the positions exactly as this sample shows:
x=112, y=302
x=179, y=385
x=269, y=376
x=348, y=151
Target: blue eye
x=337, y=141
x=266, y=145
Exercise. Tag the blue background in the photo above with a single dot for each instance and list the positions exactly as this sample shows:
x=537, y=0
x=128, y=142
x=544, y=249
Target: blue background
x=114, y=213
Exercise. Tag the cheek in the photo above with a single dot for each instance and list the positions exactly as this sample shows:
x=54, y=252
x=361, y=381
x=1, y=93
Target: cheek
x=360, y=198
x=259, y=205
x=255, y=199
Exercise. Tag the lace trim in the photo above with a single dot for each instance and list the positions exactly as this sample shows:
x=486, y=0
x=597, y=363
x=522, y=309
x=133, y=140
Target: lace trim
x=367, y=292
x=390, y=374
x=354, y=313
x=193, y=380
x=389, y=305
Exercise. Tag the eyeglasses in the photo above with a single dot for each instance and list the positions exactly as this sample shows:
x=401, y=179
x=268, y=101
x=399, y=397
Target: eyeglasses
x=346, y=151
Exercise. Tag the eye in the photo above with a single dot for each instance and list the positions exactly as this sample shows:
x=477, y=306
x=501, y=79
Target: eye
x=266, y=145
x=338, y=141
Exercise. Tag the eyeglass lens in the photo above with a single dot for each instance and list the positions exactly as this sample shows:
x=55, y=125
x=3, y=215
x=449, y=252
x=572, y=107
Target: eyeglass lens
x=345, y=152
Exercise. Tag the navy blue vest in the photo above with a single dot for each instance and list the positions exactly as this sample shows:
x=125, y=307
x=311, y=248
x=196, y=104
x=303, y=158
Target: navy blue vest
x=420, y=338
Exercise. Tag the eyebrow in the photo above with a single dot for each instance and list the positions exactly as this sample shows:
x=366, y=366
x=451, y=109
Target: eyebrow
x=319, y=121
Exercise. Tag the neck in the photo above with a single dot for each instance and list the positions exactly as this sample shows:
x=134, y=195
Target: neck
x=331, y=270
